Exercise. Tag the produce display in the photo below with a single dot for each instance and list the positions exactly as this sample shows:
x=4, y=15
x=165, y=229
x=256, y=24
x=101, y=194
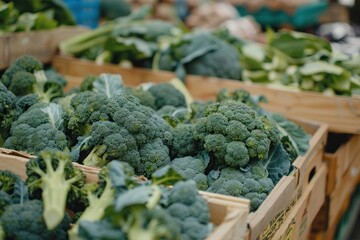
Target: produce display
x=119, y=206
x=301, y=61
x=228, y=146
x=298, y=61
x=24, y=16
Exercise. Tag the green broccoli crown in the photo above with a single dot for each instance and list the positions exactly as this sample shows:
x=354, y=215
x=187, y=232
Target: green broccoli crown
x=5, y=200
x=186, y=205
x=7, y=181
x=121, y=128
x=25, y=102
x=28, y=64
x=25, y=221
x=9, y=111
x=26, y=76
x=236, y=134
x=52, y=177
x=40, y=127
x=167, y=94
x=87, y=83
x=253, y=184
x=202, y=54
x=191, y=168
x=183, y=143
x=153, y=156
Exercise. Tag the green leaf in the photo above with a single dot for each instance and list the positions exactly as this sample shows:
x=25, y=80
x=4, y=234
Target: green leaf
x=278, y=163
x=296, y=134
x=54, y=112
x=109, y=84
x=99, y=230
x=165, y=176
x=20, y=194
x=136, y=196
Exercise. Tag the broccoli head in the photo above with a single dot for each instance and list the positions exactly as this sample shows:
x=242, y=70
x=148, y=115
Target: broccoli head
x=5, y=200
x=190, y=210
x=25, y=221
x=191, y=168
x=53, y=178
x=9, y=111
x=7, y=181
x=235, y=134
x=26, y=76
x=202, y=54
x=167, y=94
x=183, y=143
x=253, y=184
x=39, y=128
x=119, y=128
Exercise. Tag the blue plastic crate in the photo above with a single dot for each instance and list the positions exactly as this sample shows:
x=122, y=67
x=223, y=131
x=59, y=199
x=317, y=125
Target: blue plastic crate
x=86, y=12
x=304, y=16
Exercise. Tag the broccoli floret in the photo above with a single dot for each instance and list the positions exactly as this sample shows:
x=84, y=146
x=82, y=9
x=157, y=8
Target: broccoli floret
x=189, y=207
x=243, y=96
x=191, y=168
x=9, y=111
x=7, y=181
x=183, y=144
x=52, y=177
x=39, y=128
x=202, y=54
x=167, y=94
x=256, y=199
x=5, y=200
x=25, y=221
x=235, y=134
x=87, y=83
x=120, y=128
x=26, y=76
x=153, y=156
x=252, y=184
x=98, y=198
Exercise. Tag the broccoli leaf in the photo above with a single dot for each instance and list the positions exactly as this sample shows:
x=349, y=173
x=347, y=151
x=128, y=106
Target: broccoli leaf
x=278, y=163
x=20, y=194
x=136, y=196
x=54, y=112
x=297, y=136
x=109, y=84
x=99, y=230
x=165, y=176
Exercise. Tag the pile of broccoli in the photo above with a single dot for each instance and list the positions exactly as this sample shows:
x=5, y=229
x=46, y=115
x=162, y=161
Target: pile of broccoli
x=23, y=217
x=229, y=145
x=143, y=210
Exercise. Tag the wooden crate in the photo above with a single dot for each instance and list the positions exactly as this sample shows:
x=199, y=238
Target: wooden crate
x=340, y=161
x=297, y=224
x=228, y=214
x=337, y=202
x=341, y=113
x=40, y=44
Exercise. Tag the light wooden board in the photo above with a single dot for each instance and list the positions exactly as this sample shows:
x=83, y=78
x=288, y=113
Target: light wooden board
x=40, y=44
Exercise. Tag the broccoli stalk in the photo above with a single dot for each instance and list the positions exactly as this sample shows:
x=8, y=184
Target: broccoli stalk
x=55, y=189
x=95, y=210
x=155, y=229
x=55, y=182
x=97, y=156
